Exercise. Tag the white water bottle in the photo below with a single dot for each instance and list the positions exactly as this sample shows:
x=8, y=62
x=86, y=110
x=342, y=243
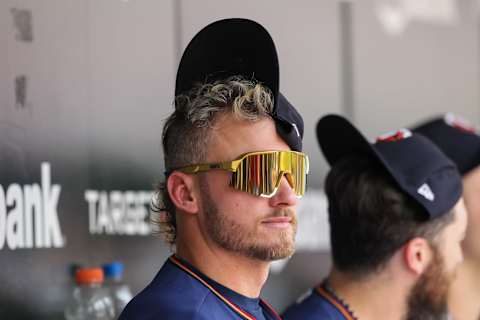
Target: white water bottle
x=119, y=291
x=89, y=300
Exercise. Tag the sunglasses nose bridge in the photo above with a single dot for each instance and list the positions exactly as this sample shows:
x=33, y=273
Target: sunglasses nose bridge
x=288, y=177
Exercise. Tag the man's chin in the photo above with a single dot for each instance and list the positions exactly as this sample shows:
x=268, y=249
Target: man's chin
x=274, y=252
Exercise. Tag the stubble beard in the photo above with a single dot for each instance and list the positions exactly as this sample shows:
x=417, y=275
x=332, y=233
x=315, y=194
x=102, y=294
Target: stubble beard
x=428, y=298
x=233, y=237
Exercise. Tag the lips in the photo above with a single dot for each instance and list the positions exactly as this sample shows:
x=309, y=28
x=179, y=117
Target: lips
x=277, y=222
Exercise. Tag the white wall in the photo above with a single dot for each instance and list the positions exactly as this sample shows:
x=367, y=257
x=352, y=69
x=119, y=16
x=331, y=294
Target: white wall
x=428, y=69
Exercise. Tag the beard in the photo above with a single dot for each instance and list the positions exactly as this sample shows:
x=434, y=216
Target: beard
x=238, y=238
x=428, y=297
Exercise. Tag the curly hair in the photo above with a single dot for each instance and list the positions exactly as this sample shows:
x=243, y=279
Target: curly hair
x=187, y=132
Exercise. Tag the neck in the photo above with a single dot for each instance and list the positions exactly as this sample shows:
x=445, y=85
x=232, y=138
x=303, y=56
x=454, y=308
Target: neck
x=465, y=291
x=366, y=297
x=241, y=274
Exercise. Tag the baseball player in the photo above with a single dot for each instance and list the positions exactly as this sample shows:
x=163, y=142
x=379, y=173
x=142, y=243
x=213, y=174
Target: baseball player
x=396, y=222
x=234, y=172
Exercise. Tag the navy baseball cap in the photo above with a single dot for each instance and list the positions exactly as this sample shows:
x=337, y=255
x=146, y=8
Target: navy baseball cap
x=456, y=137
x=232, y=47
x=418, y=167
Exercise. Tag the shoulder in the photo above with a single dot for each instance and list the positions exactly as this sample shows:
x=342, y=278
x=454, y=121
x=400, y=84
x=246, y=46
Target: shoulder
x=312, y=306
x=172, y=295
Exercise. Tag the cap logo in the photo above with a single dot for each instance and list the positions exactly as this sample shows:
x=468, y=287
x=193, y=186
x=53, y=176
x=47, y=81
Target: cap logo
x=425, y=191
x=296, y=129
x=395, y=135
x=459, y=123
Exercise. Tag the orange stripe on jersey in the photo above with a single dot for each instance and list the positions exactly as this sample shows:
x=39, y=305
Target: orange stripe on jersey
x=230, y=304
x=334, y=301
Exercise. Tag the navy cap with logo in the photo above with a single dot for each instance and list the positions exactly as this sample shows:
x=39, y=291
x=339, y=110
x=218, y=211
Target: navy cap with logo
x=418, y=167
x=456, y=137
x=239, y=47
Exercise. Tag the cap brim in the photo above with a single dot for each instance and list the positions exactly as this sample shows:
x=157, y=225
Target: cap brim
x=338, y=138
x=226, y=48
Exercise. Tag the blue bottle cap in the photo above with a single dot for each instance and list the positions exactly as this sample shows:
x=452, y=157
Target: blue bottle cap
x=113, y=269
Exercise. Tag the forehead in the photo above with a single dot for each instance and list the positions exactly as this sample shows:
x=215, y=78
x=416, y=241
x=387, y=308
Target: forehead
x=232, y=137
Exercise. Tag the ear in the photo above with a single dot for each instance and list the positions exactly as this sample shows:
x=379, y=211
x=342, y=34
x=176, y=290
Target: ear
x=417, y=255
x=181, y=188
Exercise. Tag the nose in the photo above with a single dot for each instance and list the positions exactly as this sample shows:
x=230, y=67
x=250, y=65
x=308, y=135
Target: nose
x=285, y=196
